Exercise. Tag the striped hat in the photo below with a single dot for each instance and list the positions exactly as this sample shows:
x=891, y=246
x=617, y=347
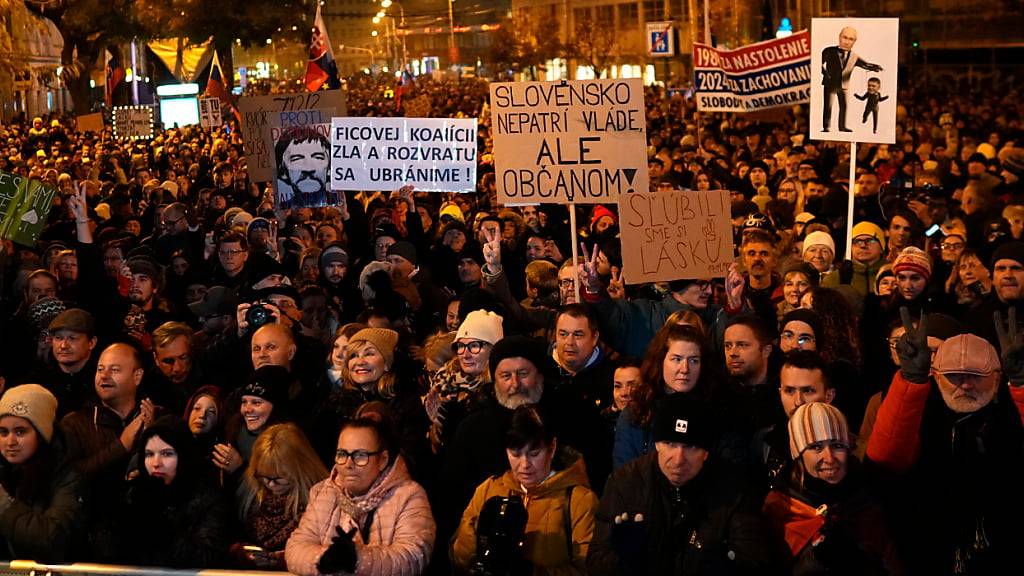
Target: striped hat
x=913, y=259
x=816, y=422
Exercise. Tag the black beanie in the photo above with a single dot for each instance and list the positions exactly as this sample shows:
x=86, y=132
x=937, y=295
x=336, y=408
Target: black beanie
x=519, y=346
x=1013, y=250
x=809, y=317
x=405, y=250
x=270, y=383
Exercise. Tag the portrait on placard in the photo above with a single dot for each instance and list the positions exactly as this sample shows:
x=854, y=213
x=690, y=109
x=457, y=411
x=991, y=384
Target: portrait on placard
x=853, y=88
x=302, y=167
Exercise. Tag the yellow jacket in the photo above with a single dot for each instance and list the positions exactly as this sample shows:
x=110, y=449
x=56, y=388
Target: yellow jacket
x=546, y=547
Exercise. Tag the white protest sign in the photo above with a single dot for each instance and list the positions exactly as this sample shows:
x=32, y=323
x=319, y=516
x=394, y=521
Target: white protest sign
x=259, y=113
x=581, y=141
x=209, y=113
x=432, y=154
x=853, y=79
x=133, y=122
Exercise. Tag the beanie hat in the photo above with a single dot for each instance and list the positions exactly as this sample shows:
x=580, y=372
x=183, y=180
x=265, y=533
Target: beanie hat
x=481, y=325
x=43, y=311
x=809, y=317
x=1013, y=250
x=518, y=346
x=987, y=150
x=241, y=220
x=333, y=253
x=404, y=249
x=452, y=211
x=819, y=238
x=383, y=339
x=869, y=229
x=913, y=259
x=600, y=212
x=884, y=272
x=685, y=419
x=816, y=422
x=258, y=223
x=170, y=186
x=144, y=265
x=33, y=403
x=270, y=383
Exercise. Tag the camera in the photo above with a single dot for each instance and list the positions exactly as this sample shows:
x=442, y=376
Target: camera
x=899, y=192
x=257, y=315
x=500, y=537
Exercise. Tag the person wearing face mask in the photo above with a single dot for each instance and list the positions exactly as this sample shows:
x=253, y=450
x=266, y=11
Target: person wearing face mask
x=273, y=495
x=821, y=517
x=369, y=516
x=41, y=497
x=174, y=518
x=954, y=454
x=552, y=482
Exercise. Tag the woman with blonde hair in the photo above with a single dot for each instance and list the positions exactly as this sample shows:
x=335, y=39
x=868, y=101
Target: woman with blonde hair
x=274, y=493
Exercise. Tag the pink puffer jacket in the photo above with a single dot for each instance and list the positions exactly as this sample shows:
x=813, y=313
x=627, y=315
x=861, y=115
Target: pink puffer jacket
x=401, y=536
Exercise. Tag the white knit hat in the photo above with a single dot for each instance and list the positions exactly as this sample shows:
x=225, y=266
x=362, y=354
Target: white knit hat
x=819, y=238
x=481, y=325
x=33, y=403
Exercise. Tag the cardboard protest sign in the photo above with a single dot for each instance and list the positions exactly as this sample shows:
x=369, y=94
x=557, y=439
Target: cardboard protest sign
x=133, y=122
x=418, y=107
x=24, y=207
x=579, y=141
x=301, y=162
x=90, y=122
x=674, y=235
x=432, y=154
x=853, y=85
x=260, y=113
x=760, y=76
x=209, y=113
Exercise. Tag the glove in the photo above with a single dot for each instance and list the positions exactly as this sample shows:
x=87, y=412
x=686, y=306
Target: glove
x=1011, y=346
x=629, y=538
x=912, y=349
x=845, y=268
x=340, y=556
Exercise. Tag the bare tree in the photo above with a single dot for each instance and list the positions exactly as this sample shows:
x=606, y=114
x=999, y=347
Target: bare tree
x=594, y=45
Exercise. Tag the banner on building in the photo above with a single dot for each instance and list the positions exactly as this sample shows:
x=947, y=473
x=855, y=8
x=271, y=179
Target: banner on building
x=209, y=113
x=854, y=62
x=133, y=122
x=260, y=113
x=674, y=235
x=432, y=154
x=582, y=141
x=24, y=207
x=661, y=40
x=301, y=162
x=760, y=76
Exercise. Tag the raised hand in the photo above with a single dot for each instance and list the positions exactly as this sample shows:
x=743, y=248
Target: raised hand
x=492, y=250
x=1011, y=346
x=616, y=286
x=912, y=348
x=734, y=283
x=587, y=272
x=77, y=205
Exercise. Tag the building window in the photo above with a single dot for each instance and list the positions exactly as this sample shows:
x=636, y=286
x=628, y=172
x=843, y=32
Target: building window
x=629, y=16
x=653, y=10
x=580, y=15
x=606, y=16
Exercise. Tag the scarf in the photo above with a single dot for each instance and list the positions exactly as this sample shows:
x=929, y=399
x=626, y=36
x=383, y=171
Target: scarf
x=273, y=523
x=359, y=506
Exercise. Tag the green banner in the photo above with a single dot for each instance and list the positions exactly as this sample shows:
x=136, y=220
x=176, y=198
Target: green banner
x=24, y=207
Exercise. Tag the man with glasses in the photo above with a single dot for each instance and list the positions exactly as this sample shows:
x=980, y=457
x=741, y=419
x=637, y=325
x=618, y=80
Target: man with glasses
x=868, y=248
x=232, y=253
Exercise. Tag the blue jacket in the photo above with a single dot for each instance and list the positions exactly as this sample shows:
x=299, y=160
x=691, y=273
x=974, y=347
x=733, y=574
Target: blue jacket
x=629, y=325
x=631, y=440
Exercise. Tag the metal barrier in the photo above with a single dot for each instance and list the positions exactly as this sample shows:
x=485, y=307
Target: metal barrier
x=30, y=568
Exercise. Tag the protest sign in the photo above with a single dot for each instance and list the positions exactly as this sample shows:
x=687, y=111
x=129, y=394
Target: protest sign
x=133, y=122
x=854, y=58
x=579, y=141
x=432, y=154
x=260, y=113
x=209, y=113
x=760, y=76
x=24, y=207
x=418, y=107
x=301, y=163
x=675, y=234
x=90, y=122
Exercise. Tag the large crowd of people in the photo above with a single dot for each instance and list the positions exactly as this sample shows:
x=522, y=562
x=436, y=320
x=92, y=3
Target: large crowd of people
x=428, y=383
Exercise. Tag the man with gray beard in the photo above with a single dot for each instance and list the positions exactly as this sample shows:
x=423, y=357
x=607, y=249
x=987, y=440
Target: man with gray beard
x=518, y=367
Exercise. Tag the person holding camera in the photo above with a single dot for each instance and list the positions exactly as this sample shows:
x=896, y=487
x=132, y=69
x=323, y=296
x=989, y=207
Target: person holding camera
x=551, y=482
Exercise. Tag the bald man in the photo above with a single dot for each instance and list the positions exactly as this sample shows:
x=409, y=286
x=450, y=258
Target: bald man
x=273, y=344
x=837, y=64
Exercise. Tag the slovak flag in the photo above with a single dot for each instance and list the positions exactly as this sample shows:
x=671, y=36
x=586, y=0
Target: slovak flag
x=215, y=83
x=321, y=66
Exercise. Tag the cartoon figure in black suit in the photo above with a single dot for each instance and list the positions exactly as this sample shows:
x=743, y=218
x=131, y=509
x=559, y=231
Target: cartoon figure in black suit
x=837, y=64
x=871, y=99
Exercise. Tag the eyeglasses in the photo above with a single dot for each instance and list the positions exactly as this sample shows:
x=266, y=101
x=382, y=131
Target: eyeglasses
x=172, y=222
x=474, y=347
x=864, y=242
x=952, y=245
x=273, y=480
x=801, y=340
x=230, y=253
x=359, y=457
x=566, y=283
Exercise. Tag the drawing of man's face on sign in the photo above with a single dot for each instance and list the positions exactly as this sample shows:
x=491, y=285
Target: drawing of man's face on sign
x=316, y=44
x=303, y=166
